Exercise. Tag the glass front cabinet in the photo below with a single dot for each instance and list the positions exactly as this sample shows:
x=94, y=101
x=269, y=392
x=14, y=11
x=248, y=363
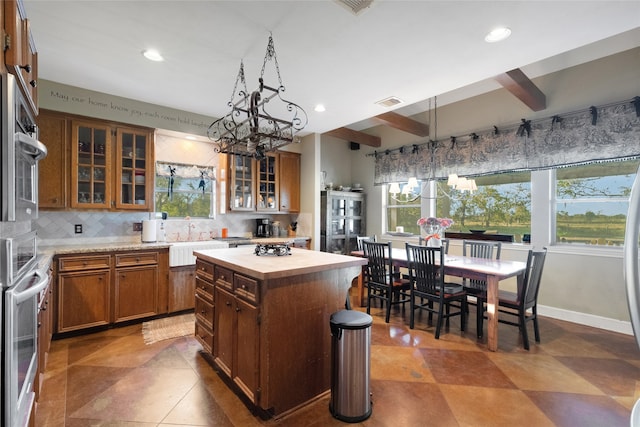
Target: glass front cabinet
x=95, y=183
x=342, y=220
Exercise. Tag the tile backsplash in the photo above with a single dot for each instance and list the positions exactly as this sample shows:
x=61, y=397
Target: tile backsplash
x=106, y=227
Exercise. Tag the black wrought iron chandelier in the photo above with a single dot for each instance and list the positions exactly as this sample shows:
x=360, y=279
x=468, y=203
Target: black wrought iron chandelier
x=257, y=123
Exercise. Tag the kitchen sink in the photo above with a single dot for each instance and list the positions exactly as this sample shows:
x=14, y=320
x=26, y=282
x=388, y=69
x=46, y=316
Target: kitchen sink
x=181, y=253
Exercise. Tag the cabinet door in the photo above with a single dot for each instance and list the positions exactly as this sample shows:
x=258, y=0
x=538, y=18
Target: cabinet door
x=224, y=330
x=136, y=292
x=182, y=287
x=83, y=300
x=289, y=182
x=53, y=169
x=241, y=185
x=268, y=183
x=246, y=356
x=134, y=169
x=90, y=165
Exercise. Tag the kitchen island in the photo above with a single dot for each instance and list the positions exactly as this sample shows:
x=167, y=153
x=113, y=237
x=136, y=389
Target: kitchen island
x=263, y=321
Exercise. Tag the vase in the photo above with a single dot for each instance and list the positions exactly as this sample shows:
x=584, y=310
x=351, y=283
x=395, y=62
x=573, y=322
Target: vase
x=433, y=239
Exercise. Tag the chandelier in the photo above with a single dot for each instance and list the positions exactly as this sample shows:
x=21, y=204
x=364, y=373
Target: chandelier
x=260, y=121
x=412, y=190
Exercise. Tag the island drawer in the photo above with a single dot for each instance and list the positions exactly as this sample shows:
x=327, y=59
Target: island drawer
x=136, y=258
x=204, y=312
x=246, y=288
x=204, y=269
x=85, y=262
x=223, y=277
x=204, y=289
x=205, y=337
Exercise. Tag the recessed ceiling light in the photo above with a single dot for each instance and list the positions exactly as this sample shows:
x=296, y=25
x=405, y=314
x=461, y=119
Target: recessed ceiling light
x=390, y=101
x=319, y=108
x=152, y=55
x=497, y=34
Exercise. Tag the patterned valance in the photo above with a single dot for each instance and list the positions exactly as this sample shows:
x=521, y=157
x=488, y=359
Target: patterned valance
x=596, y=134
x=185, y=171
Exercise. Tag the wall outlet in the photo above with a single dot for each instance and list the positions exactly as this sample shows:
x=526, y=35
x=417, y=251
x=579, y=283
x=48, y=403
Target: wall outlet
x=78, y=228
x=137, y=226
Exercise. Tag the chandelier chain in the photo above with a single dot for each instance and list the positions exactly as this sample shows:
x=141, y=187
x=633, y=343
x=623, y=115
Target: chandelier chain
x=271, y=53
x=239, y=78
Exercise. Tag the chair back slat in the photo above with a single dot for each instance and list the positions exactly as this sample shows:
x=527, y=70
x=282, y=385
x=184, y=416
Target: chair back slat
x=445, y=243
x=488, y=250
x=379, y=266
x=425, y=268
x=360, y=239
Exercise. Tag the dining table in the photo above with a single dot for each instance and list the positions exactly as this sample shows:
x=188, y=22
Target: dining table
x=491, y=271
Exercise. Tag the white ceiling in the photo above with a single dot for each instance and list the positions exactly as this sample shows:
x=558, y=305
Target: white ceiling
x=413, y=50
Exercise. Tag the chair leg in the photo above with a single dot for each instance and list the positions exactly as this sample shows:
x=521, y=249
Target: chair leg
x=523, y=330
x=463, y=313
x=480, y=317
x=536, y=329
x=439, y=320
x=412, y=306
x=389, y=300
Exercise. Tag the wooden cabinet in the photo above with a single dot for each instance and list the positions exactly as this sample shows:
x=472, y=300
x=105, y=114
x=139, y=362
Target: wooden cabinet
x=136, y=286
x=289, y=181
x=20, y=55
x=107, y=288
x=84, y=292
x=271, y=184
x=236, y=333
x=182, y=287
x=53, y=170
x=111, y=166
x=342, y=219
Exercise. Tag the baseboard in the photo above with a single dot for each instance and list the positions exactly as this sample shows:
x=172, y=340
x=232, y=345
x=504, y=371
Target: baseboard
x=586, y=319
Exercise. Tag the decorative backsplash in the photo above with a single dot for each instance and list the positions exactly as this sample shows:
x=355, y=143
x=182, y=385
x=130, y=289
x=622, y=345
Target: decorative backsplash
x=106, y=227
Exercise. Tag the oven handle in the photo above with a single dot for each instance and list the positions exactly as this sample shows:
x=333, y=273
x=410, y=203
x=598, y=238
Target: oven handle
x=33, y=147
x=33, y=290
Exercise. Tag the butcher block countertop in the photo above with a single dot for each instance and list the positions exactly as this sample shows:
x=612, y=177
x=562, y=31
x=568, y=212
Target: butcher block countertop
x=301, y=261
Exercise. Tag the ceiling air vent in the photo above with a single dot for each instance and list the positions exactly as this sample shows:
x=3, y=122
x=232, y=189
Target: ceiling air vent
x=355, y=6
x=390, y=102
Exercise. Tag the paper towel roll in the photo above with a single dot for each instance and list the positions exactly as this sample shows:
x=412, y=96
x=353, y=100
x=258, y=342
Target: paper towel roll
x=149, y=230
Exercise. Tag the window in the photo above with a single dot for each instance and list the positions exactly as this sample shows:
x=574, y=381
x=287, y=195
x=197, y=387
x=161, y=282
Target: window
x=403, y=206
x=592, y=202
x=191, y=193
x=501, y=204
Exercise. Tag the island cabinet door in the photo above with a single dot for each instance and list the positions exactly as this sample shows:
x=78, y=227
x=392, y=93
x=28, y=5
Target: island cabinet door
x=246, y=355
x=224, y=325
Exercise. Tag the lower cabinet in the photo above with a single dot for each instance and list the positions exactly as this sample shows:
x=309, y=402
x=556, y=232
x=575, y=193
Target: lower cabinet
x=107, y=288
x=181, y=288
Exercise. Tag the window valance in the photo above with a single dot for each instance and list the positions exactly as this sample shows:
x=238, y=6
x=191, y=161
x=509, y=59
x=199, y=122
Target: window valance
x=185, y=171
x=597, y=134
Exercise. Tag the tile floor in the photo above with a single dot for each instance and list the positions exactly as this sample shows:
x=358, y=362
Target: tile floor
x=577, y=376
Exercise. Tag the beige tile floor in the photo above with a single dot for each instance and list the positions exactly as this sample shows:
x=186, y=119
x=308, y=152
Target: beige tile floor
x=577, y=376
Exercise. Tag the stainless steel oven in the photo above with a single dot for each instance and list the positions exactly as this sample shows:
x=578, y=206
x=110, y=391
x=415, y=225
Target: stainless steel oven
x=20, y=153
x=20, y=283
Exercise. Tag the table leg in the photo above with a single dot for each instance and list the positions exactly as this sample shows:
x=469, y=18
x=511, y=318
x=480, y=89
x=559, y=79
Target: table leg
x=492, y=313
x=361, y=296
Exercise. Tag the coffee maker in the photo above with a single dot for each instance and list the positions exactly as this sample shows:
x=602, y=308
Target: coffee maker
x=263, y=227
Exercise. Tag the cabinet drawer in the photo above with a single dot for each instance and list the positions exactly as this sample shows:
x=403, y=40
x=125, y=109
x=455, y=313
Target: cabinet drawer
x=87, y=262
x=246, y=288
x=136, y=258
x=223, y=277
x=205, y=337
x=204, y=269
x=204, y=312
x=204, y=289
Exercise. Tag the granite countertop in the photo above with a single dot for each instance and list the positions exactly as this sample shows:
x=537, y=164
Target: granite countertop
x=301, y=261
x=99, y=247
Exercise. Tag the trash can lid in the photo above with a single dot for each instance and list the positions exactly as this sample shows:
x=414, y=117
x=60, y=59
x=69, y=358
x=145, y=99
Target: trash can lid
x=350, y=319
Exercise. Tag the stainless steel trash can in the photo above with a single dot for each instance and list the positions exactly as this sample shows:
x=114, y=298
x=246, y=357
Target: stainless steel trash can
x=350, y=365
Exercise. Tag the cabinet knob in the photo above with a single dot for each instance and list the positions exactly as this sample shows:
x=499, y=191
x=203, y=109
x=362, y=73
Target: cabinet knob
x=33, y=83
x=85, y=263
x=237, y=308
x=137, y=259
x=26, y=67
x=227, y=303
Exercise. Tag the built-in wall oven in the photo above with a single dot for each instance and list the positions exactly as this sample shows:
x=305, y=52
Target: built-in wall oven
x=23, y=283
x=20, y=153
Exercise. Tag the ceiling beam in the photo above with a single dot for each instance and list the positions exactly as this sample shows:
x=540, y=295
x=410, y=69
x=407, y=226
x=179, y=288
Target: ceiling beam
x=403, y=123
x=355, y=136
x=516, y=82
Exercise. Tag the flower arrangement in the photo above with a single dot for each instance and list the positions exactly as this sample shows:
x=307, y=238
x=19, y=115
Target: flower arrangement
x=434, y=228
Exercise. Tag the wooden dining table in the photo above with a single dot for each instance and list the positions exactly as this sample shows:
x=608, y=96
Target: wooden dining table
x=490, y=270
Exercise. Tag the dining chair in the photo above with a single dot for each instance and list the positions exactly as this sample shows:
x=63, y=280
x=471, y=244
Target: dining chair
x=426, y=272
x=382, y=281
x=360, y=239
x=445, y=243
x=478, y=288
x=525, y=299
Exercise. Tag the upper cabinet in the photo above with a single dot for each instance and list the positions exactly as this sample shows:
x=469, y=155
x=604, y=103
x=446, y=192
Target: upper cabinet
x=20, y=55
x=111, y=166
x=271, y=184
